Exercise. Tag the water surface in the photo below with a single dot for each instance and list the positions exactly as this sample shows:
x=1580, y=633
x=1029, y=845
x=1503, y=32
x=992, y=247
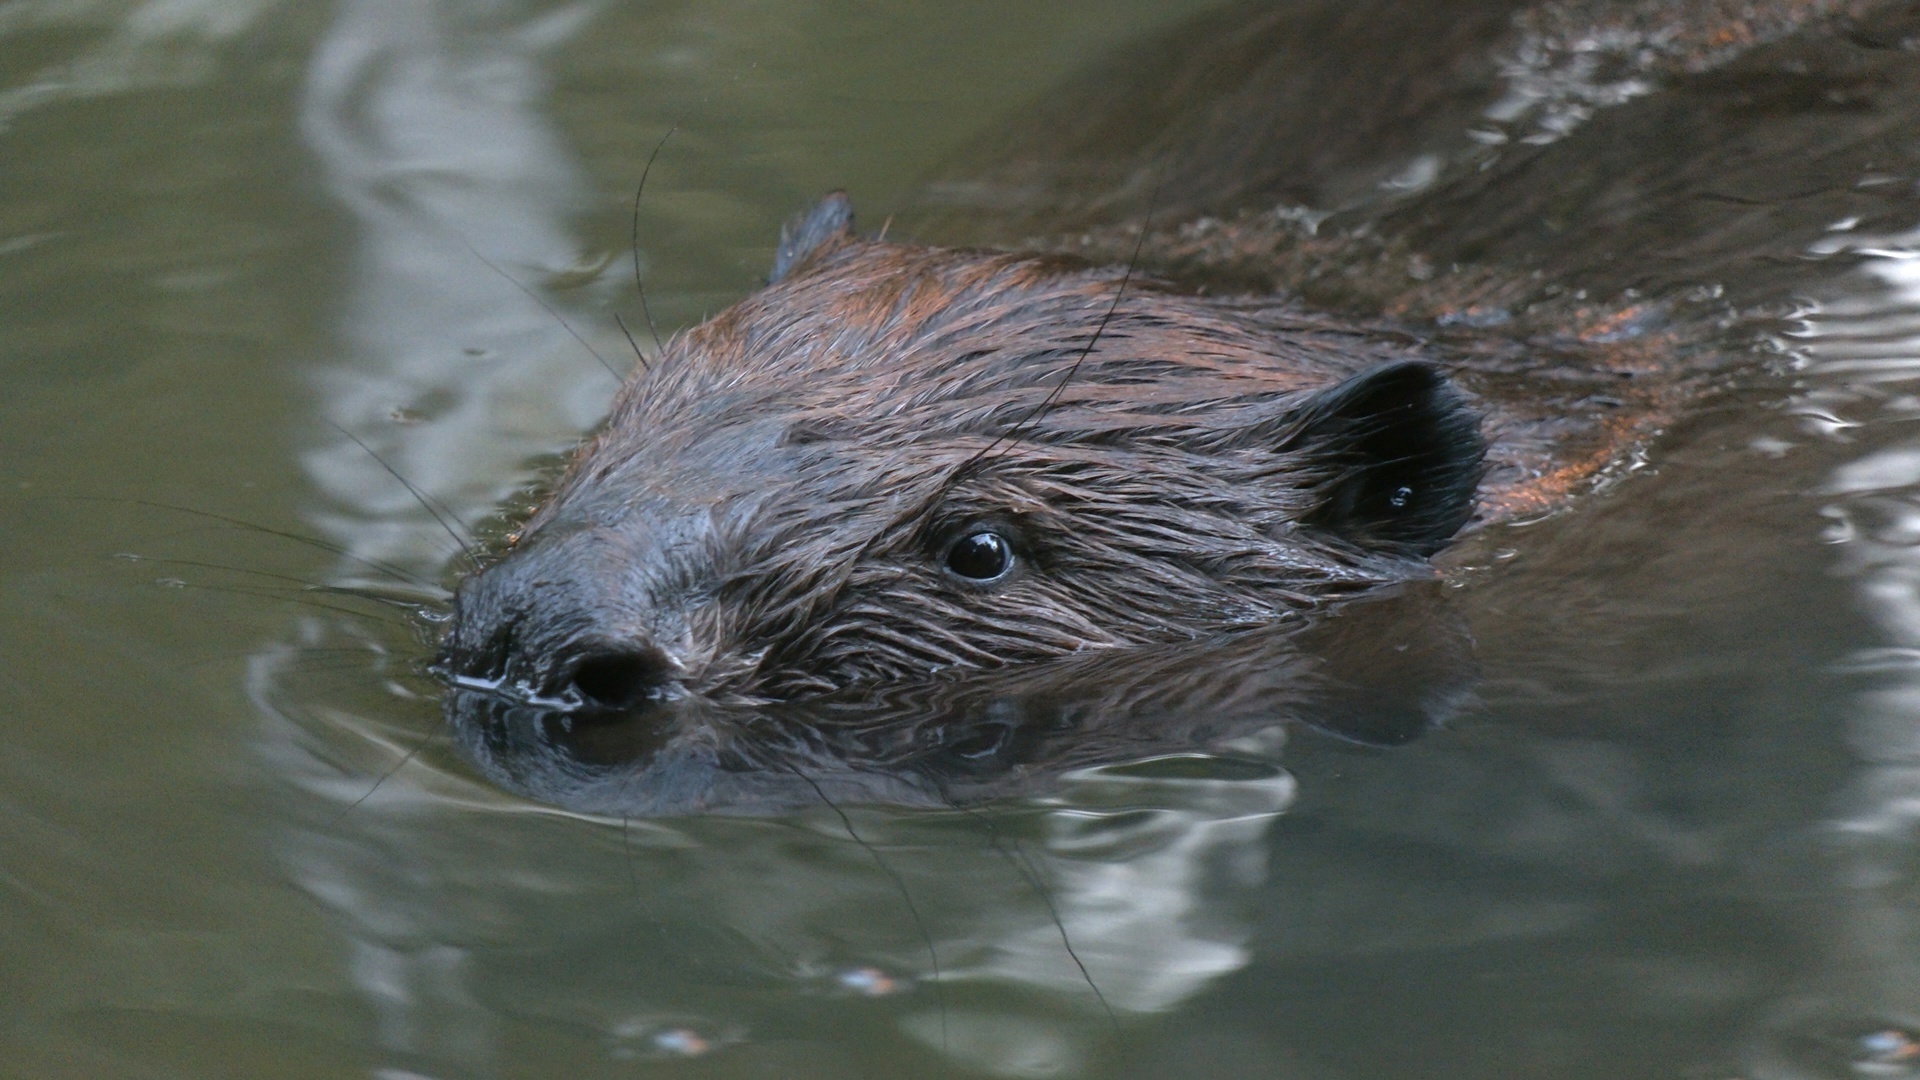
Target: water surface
x=1671, y=836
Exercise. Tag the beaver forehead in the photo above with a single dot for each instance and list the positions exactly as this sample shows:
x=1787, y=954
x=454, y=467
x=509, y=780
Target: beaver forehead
x=879, y=365
x=961, y=341
x=739, y=480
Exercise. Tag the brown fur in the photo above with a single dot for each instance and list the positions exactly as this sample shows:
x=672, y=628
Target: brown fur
x=763, y=514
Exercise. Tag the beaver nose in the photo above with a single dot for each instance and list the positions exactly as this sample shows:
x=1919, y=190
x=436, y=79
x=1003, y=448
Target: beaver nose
x=609, y=677
x=561, y=623
x=620, y=678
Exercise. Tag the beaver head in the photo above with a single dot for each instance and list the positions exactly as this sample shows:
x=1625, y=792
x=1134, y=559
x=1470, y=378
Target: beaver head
x=895, y=460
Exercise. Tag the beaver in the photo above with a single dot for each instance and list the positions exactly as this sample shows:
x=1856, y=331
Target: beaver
x=897, y=460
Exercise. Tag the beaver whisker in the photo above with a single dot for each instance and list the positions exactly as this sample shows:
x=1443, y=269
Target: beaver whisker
x=297, y=585
x=548, y=308
x=906, y=897
x=392, y=570
x=288, y=596
x=1023, y=866
x=639, y=287
x=440, y=514
x=404, y=760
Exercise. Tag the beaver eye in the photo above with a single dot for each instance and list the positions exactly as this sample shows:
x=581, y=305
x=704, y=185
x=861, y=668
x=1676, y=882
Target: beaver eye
x=983, y=555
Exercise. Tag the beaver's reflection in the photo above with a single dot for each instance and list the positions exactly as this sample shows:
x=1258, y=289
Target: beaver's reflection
x=1380, y=672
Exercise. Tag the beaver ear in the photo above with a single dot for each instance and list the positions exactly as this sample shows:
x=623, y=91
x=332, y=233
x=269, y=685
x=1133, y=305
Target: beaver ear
x=1401, y=454
x=826, y=226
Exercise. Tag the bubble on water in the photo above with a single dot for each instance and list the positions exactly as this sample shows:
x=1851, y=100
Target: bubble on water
x=652, y=1039
x=681, y=1042
x=868, y=982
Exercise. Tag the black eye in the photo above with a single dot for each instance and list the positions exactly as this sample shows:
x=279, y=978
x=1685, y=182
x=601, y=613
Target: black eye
x=981, y=556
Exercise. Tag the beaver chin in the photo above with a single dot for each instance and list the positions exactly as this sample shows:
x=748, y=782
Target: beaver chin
x=1381, y=671
x=895, y=465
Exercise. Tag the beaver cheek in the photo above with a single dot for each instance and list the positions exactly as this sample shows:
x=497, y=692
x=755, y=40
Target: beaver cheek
x=567, y=622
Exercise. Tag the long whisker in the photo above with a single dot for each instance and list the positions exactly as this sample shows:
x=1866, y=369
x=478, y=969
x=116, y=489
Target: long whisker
x=466, y=548
x=550, y=309
x=1024, y=867
x=900, y=884
x=405, y=759
x=302, y=584
x=1046, y=897
x=288, y=596
x=328, y=546
x=324, y=665
x=632, y=344
x=638, y=286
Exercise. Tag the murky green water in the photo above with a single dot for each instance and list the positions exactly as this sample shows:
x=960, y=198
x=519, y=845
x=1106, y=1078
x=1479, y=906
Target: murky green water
x=1673, y=838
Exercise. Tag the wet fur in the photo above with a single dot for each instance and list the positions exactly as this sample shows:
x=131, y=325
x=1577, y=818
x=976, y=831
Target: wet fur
x=764, y=514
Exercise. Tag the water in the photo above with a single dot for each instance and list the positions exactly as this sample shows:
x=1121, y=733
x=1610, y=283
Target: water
x=1671, y=837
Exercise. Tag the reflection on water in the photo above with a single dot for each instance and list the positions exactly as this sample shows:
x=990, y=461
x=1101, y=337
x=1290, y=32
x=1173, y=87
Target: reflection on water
x=1010, y=939
x=427, y=119
x=149, y=44
x=1858, y=346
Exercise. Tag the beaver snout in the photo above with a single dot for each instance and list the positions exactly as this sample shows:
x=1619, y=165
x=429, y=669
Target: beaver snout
x=561, y=622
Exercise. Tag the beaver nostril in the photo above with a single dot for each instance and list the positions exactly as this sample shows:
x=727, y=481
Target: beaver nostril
x=619, y=680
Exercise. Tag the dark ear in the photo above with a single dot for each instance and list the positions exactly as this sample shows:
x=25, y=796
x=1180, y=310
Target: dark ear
x=823, y=227
x=1400, y=451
